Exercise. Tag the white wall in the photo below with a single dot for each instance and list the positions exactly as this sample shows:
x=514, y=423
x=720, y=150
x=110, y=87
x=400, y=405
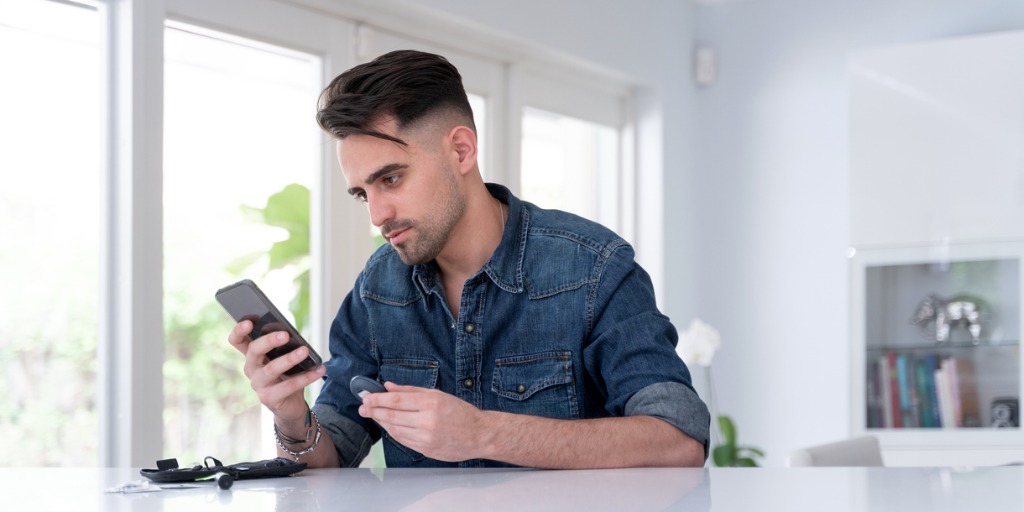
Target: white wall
x=772, y=170
x=936, y=133
x=755, y=174
x=651, y=43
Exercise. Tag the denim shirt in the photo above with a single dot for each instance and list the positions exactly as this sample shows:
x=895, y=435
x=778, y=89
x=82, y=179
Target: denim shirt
x=561, y=322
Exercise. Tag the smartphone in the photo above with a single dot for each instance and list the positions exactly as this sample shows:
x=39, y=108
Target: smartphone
x=245, y=301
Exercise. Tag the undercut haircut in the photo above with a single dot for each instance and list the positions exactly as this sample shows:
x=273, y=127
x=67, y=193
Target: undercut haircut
x=406, y=85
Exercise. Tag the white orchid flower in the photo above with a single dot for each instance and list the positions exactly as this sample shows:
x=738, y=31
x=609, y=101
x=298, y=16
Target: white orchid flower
x=698, y=343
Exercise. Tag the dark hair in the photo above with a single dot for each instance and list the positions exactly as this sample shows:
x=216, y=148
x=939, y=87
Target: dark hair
x=406, y=84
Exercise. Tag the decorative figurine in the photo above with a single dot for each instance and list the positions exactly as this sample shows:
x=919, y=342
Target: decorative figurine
x=958, y=310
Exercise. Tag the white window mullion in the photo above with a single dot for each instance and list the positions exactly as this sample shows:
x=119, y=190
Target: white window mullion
x=515, y=103
x=337, y=248
x=130, y=348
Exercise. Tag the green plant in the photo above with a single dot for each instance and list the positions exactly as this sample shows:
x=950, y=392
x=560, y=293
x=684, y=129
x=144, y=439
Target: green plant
x=730, y=454
x=288, y=209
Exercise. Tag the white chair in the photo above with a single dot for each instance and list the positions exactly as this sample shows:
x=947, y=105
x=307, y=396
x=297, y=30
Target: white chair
x=858, y=451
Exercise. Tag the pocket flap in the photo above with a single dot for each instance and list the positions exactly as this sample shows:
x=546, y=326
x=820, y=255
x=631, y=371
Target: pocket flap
x=520, y=377
x=410, y=372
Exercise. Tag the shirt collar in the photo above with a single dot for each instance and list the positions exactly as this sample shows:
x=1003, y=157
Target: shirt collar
x=505, y=267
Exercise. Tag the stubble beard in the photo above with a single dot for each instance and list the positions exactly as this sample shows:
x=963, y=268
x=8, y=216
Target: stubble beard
x=433, y=232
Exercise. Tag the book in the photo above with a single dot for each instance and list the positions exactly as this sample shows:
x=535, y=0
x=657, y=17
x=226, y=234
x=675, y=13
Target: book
x=925, y=413
x=968, y=393
x=905, y=390
x=894, y=391
x=884, y=390
x=931, y=362
x=871, y=397
x=941, y=395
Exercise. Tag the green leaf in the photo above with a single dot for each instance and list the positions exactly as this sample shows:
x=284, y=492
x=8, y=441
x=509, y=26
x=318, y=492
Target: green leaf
x=728, y=429
x=729, y=454
x=299, y=305
x=723, y=456
x=288, y=252
x=289, y=209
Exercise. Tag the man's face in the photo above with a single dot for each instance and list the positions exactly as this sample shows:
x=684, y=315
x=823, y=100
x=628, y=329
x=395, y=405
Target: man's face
x=412, y=192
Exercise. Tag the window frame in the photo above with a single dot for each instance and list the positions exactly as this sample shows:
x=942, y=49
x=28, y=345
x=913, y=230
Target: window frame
x=130, y=387
x=130, y=346
x=589, y=96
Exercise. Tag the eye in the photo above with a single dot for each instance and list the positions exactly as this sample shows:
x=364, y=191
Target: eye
x=390, y=180
x=359, y=196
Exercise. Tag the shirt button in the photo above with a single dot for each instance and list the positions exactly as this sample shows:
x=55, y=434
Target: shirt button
x=470, y=327
x=521, y=389
x=468, y=383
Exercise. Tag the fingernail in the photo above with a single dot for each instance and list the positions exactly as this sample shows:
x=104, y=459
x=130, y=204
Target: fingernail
x=281, y=335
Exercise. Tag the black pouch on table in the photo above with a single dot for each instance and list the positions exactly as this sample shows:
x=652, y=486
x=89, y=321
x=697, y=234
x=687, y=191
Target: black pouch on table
x=167, y=470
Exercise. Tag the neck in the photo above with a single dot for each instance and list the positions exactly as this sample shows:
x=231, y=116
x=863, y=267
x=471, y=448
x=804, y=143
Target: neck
x=474, y=238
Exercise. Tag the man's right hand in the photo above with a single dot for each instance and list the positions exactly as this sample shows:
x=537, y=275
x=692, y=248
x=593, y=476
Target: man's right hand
x=279, y=393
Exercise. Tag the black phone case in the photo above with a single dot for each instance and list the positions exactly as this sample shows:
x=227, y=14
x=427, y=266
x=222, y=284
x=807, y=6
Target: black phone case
x=311, y=362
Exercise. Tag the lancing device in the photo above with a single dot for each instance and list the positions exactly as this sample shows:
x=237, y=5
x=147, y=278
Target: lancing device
x=361, y=386
x=223, y=480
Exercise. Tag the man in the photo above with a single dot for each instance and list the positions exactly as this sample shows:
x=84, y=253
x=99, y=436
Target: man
x=505, y=334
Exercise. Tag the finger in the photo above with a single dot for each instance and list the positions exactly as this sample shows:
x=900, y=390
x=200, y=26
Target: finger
x=391, y=386
x=273, y=395
x=239, y=336
x=287, y=361
x=391, y=418
x=256, y=354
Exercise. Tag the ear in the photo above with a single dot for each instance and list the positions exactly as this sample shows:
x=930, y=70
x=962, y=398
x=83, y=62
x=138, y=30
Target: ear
x=463, y=142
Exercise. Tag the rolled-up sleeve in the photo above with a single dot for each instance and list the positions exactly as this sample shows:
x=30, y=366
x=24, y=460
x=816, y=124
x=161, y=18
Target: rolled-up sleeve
x=350, y=439
x=676, y=404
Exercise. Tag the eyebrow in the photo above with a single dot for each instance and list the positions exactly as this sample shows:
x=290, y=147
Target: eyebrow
x=375, y=175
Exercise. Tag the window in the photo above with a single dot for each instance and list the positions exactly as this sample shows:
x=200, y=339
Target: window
x=570, y=164
x=238, y=132
x=124, y=201
x=50, y=210
x=574, y=146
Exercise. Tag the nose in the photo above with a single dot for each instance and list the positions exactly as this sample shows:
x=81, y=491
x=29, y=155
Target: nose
x=381, y=210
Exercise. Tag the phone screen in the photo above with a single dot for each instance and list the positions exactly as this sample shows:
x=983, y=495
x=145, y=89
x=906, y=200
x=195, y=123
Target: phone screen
x=245, y=301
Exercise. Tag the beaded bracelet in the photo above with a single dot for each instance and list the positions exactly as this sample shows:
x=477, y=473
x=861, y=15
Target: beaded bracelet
x=316, y=440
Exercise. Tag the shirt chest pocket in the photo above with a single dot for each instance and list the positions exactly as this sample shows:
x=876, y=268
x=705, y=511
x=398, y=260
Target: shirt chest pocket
x=536, y=384
x=410, y=372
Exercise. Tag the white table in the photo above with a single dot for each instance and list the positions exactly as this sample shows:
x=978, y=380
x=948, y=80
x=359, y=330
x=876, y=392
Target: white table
x=719, y=489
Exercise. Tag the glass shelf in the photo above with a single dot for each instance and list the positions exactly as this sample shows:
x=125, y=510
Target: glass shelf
x=959, y=345
x=915, y=392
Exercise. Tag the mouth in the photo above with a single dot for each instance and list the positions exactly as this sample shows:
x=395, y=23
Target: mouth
x=396, y=236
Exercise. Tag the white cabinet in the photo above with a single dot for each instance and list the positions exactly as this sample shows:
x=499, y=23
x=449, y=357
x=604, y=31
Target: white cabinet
x=933, y=397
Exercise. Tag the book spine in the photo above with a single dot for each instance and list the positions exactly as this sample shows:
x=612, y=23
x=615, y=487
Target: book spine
x=925, y=417
x=954, y=389
x=885, y=386
x=931, y=365
x=894, y=392
x=903, y=379
x=871, y=395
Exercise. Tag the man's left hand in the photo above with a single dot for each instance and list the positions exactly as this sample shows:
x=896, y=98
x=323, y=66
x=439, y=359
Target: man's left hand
x=432, y=422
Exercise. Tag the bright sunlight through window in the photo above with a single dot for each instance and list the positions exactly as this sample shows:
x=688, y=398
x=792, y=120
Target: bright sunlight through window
x=50, y=125
x=241, y=148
